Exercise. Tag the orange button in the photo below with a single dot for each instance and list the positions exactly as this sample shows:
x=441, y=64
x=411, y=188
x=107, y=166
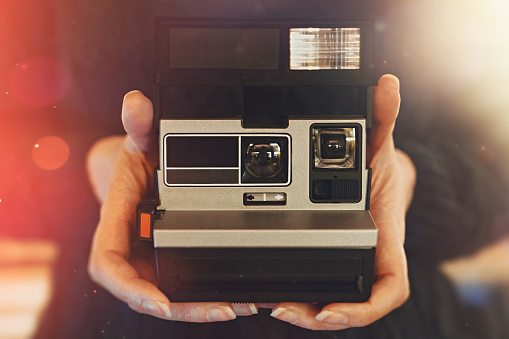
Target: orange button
x=145, y=225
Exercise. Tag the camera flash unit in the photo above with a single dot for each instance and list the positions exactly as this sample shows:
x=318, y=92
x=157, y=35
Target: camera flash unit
x=325, y=48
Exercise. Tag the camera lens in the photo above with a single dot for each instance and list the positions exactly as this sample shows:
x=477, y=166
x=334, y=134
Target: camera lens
x=333, y=146
x=262, y=157
x=263, y=160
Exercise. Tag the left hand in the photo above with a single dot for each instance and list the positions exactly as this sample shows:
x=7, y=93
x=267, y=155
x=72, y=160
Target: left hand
x=391, y=193
x=120, y=170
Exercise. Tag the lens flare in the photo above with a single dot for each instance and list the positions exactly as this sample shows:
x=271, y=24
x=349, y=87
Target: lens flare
x=39, y=82
x=50, y=153
x=445, y=47
x=484, y=154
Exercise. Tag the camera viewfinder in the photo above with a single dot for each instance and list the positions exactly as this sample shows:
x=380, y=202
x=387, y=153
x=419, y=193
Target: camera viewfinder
x=334, y=147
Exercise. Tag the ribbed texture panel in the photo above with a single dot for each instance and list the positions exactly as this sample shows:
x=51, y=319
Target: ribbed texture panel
x=346, y=189
x=202, y=151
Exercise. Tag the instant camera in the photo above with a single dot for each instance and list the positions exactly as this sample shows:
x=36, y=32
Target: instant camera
x=262, y=186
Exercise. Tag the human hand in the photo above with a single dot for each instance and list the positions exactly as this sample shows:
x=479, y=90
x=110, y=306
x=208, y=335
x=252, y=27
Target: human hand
x=121, y=170
x=391, y=193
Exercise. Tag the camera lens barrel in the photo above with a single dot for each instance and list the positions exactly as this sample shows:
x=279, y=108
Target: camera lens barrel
x=263, y=160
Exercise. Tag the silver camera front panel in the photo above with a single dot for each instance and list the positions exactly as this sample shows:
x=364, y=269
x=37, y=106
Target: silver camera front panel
x=265, y=229
x=220, y=197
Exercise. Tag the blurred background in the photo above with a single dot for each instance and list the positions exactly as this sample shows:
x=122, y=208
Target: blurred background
x=65, y=66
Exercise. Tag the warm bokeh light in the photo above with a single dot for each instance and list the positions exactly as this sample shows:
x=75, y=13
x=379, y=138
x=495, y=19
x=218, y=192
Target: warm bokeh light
x=444, y=46
x=25, y=285
x=39, y=82
x=50, y=153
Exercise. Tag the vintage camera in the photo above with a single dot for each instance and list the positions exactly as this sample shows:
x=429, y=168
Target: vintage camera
x=262, y=187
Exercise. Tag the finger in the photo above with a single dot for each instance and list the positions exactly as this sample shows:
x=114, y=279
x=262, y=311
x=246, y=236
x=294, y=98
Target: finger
x=303, y=315
x=189, y=312
x=101, y=159
x=111, y=248
x=137, y=118
x=121, y=279
x=386, y=102
x=143, y=259
x=202, y=312
x=245, y=309
x=389, y=292
x=111, y=245
x=109, y=267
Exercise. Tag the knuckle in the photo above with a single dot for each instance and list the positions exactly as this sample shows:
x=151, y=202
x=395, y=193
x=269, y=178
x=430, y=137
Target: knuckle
x=184, y=313
x=95, y=267
x=137, y=308
x=92, y=267
x=126, y=296
x=368, y=316
x=371, y=317
x=405, y=291
x=403, y=284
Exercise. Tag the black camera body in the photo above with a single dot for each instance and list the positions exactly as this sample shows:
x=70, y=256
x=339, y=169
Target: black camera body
x=262, y=188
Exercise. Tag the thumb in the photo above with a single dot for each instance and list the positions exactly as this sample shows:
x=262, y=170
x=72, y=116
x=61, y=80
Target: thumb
x=386, y=101
x=137, y=118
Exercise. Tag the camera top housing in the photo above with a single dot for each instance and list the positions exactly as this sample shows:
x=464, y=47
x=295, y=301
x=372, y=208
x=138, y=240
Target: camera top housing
x=262, y=186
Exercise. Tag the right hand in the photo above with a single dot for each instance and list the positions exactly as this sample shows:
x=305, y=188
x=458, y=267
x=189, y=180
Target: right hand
x=121, y=170
x=391, y=193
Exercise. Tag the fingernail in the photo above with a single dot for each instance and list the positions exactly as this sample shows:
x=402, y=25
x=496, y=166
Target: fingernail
x=244, y=309
x=283, y=314
x=221, y=313
x=332, y=317
x=129, y=93
x=157, y=308
x=165, y=308
x=125, y=114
